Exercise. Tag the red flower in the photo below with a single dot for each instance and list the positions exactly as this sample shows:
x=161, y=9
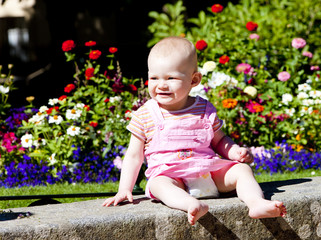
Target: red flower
x=252, y=26
x=217, y=8
x=49, y=111
x=87, y=108
x=68, y=45
x=113, y=50
x=62, y=97
x=201, y=45
x=69, y=88
x=90, y=43
x=106, y=100
x=93, y=124
x=132, y=88
x=89, y=73
x=146, y=83
x=224, y=59
x=94, y=54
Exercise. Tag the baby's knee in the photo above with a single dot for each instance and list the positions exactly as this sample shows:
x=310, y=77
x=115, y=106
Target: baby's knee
x=242, y=168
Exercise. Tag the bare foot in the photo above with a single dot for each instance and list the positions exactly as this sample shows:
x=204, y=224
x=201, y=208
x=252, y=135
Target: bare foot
x=196, y=211
x=267, y=209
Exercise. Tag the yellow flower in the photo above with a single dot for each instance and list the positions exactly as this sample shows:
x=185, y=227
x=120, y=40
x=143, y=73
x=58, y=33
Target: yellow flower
x=30, y=98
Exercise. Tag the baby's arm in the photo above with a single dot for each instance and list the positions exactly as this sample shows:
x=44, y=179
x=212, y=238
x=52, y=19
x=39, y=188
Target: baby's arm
x=132, y=163
x=228, y=149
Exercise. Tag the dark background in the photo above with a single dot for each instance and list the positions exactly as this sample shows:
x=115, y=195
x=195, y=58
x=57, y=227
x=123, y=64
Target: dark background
x=122, y=24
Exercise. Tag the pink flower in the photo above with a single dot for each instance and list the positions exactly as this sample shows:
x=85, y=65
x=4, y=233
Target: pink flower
x=254, y=107
x=298, y=43
x=314, y=68
x=254, y=36
x=284, y=76
x=118, y=162
x=307, y=54
x=243, y=67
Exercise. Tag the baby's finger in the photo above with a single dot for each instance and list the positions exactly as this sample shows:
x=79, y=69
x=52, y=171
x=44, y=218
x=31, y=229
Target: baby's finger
x=108, y=202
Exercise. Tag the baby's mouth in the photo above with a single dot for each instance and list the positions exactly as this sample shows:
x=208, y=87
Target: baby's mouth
x=164, y=94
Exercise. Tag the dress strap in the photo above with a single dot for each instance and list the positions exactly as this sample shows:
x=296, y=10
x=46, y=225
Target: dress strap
x=155, y=112
x=207, y=110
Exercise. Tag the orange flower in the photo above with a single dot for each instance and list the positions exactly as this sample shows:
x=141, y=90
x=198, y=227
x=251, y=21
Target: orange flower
x=235, y=135
x=229, y=103
x=258, y=108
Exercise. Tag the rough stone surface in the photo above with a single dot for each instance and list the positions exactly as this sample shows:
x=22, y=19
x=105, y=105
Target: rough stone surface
x=147, y=219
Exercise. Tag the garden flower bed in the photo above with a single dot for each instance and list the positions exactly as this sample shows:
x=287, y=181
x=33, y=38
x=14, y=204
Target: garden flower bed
x=260, y=67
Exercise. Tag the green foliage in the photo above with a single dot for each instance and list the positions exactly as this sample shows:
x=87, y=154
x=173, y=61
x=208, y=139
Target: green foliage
x=171, y=22
x=279, y=109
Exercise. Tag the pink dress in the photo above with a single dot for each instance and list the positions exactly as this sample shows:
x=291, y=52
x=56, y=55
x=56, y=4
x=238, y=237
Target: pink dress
x=181, y=148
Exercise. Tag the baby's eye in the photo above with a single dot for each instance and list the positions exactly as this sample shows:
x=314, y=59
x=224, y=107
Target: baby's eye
x=153, y=78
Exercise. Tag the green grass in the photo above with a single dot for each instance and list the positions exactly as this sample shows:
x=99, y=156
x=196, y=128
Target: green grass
x=110, y=187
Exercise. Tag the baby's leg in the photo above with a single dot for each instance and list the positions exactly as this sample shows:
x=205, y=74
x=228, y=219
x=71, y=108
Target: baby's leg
x=172, y=193
x=241, y=178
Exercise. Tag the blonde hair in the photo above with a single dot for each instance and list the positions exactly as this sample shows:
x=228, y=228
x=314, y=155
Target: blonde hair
x=170, y=45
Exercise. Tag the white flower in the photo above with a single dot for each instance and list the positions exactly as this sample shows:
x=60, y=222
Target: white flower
x=73, y=167
x=53, y=101
x=26, y=140
x=290, y=112
x=286, y=98
x=80, y=105
x=114, y=99
x=315, y=94
x=198, y=90
x=73, y=131
x=251, y=91
x=55, y=119
x=52, y=159
x=73, y=114
x=202, y=71
x=317, y=101
x=43, y=109
x=37, y=119
x=306, y=110
x=304, y=87
x=307, y=102
x=209, y=66
x=3, y=89
x=302, y=95
x=218, y=78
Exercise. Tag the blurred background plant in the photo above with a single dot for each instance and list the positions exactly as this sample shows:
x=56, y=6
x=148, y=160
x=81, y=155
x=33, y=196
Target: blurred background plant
x=260, y=65
x=77, y=137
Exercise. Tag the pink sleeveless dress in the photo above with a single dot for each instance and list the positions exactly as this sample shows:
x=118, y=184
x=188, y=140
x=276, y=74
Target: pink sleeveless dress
x=181, y=148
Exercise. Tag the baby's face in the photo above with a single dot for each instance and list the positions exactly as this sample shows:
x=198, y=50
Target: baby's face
x=170, y=80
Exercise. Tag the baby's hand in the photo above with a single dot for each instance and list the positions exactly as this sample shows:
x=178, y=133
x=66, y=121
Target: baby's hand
x=241, y=154
x=119, y=197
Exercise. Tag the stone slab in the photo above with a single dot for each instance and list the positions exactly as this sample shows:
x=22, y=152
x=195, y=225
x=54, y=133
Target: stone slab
x=147, y=219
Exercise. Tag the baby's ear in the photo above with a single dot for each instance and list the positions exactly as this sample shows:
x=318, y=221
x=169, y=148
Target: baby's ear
x=196, y=79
